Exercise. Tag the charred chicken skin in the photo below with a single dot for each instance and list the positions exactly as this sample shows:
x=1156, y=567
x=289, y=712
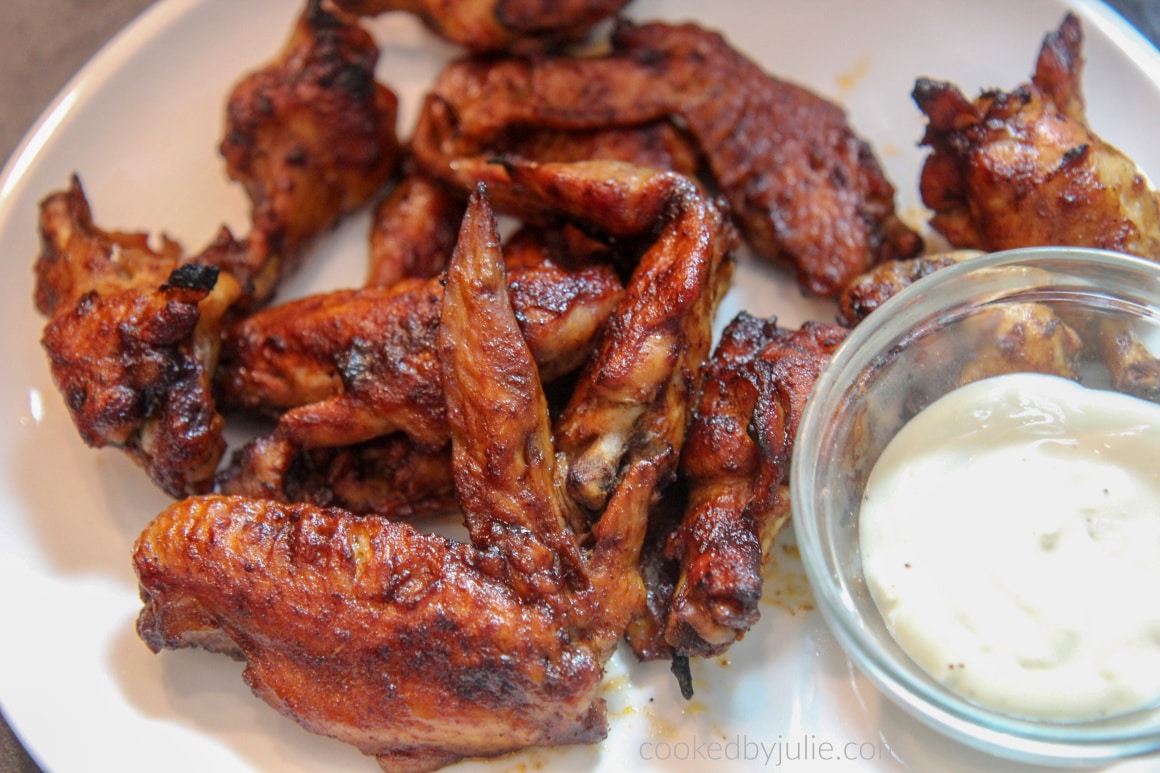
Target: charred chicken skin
x=420, y=650
x=132, y=338
x=310, y=136
x=322, y=353
x=495, y=25
x=736, y=466
x=414, y=229
x=1022, y=168
x=344, y=368
x=803, y=187
x=390, y=476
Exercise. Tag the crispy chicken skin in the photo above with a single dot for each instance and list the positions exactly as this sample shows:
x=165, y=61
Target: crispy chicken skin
x=640, y=381
x=408, y=646
x=1022, y=168
x=353, y=365
x=311, y=135
x=802, y=186
x=350, y=365
x=502, y=452
x=736, y=466
x=414, y=229
x=132, y=340
x=411, y=647
x=135, y=370
x=78, y=258
x=495, y=25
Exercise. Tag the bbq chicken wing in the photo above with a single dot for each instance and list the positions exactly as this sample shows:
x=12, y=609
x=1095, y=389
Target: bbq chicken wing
x=350, y=365
x=866, y=292
x=132, y=339
x=803, y=187
x=1023, y=168
x=414, y=229
x=310, y=136
x=78, y=258
x=495, y=25
x=414, y=648
x=636, y=388
x=403, y=644
x=736, y=467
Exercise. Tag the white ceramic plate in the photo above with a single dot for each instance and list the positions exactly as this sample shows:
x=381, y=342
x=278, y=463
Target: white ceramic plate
x=141, y=124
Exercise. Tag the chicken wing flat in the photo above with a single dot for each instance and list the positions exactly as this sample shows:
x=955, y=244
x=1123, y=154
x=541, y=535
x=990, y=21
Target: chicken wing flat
x=408, y=646
x=1023, y=168
x=736, y=466
x=495, y=25
x=350, y=365
x=804, y=188
x=132, y=339
x=310, y=136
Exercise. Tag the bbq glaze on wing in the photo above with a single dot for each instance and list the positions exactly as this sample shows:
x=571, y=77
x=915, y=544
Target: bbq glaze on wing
x=1023, y=168
x=803, y=187
x=405, y=645
x=132, y=339
x=311, y=136
x=866, y=292
x=413, y=231
x=736, y=467
x=344, y=368
x=390, y=476
x=416, y=649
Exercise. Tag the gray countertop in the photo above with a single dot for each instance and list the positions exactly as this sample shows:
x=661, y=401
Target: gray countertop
x=47, y=41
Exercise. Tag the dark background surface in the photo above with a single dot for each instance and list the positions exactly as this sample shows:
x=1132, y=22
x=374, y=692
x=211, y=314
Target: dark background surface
x=45, y=46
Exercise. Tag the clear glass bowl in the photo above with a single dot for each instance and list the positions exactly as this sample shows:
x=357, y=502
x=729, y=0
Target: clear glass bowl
x=930, y=338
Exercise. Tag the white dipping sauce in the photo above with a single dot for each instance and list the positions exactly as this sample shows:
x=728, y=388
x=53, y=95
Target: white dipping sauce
x=1010, y=536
